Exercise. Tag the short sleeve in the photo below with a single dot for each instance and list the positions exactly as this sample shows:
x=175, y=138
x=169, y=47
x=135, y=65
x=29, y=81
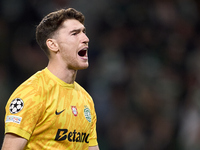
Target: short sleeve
x=23, y=111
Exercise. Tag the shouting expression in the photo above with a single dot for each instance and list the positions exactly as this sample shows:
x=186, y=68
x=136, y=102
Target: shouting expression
x=72, y=45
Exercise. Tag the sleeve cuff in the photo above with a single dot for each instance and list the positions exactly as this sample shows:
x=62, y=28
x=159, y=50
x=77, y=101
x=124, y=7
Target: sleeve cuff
x=18, y=132
x=93, y=142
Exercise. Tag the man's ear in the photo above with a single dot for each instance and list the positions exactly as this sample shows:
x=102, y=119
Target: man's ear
x=52, y=45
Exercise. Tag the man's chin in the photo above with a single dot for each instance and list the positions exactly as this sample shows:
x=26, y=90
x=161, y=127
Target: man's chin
x=82, y=67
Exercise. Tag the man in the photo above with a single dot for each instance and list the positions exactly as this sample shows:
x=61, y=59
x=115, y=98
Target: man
x=50, y=110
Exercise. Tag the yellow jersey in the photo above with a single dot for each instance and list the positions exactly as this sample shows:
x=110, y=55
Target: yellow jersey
x=52, y=114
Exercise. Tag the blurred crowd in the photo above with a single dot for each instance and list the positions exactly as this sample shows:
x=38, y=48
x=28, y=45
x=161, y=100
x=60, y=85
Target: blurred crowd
x=144, y=73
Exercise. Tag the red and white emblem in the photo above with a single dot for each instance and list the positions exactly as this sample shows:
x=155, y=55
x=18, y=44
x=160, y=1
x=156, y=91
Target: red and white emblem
x=74, y=110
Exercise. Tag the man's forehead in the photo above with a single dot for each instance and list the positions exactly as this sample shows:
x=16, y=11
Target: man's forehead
x=72, y=24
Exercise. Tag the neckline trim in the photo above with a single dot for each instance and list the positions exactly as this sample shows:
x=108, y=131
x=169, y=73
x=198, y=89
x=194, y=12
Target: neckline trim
x=58, y=80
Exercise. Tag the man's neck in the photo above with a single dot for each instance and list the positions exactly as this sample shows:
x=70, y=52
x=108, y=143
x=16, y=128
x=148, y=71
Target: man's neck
x=62, y=73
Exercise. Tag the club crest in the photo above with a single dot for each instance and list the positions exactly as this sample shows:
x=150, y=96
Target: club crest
x=87, y=114
x=74, y=110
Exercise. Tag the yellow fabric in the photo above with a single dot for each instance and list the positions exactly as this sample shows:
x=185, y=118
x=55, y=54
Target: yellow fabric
x=44, y=95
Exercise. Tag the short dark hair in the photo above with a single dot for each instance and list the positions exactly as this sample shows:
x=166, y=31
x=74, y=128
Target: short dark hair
x=51, y=22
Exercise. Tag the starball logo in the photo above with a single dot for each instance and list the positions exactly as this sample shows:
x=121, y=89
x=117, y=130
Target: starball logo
x=63, y=134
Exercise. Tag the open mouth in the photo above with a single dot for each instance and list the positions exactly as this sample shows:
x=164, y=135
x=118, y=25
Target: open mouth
x=82, y=52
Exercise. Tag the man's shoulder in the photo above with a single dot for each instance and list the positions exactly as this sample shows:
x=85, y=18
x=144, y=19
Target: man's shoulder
x=29, y=88
x=34, y=78
x=33, y=81
x=78, y=87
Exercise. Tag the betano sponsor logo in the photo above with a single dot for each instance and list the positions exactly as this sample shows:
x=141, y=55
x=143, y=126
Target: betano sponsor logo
x=63, y=134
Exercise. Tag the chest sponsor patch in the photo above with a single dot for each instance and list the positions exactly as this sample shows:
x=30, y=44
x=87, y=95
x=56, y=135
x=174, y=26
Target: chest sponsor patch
x=14, y=119
x=87, y=113
x=16, y=105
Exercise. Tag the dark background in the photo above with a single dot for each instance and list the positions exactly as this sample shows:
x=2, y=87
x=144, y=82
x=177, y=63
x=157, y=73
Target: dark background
x=144, y=73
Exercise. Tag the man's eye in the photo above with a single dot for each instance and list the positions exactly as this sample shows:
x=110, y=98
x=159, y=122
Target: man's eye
x=74, y=33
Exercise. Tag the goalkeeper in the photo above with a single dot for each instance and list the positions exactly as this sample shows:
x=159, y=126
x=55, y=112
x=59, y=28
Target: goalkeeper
x=51, y=110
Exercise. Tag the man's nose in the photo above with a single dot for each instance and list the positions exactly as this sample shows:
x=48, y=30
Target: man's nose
x=85, y=38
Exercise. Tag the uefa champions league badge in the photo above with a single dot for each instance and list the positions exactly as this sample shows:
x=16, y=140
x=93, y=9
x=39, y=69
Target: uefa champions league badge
x=74, y=110
x=16, y=105
x=87, y=113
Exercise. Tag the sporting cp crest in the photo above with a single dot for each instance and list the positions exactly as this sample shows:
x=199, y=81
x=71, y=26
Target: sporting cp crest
x=87, y=114
x=74, y=110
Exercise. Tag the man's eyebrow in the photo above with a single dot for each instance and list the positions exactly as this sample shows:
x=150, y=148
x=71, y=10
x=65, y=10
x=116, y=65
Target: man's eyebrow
x=78, y=30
